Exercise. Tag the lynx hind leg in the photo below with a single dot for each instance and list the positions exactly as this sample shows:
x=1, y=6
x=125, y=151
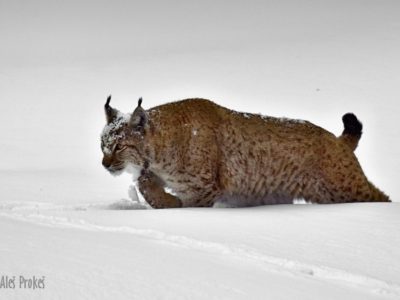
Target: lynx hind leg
x=152, y=189
x=345, y=189
x=373, y=194
x=351, y=185
x=337, y=177
x=367, y=193
x=360, y=191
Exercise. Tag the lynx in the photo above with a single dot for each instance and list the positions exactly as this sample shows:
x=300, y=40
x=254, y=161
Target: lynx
x=196, y=153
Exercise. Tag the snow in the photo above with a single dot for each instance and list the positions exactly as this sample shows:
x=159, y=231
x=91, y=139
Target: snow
x=96, y=247
x=283, y=120
x=301, y=251
x=62, y=216
x=109, y=134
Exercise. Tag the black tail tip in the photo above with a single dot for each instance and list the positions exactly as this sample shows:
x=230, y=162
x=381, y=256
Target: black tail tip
x=351, y=124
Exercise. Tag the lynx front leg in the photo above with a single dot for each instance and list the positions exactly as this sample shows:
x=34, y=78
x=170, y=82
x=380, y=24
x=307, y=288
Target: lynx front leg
x=152, y=189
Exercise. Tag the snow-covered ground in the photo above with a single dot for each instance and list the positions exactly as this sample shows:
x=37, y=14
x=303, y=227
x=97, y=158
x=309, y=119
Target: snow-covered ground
x=62, y=216
x=70, y=228
x=102, y=250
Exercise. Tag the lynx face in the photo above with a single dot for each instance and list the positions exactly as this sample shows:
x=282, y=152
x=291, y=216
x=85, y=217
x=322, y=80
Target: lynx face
x=122, y=140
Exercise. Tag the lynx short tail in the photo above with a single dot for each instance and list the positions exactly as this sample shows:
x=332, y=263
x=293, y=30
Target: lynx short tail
x=352, y=130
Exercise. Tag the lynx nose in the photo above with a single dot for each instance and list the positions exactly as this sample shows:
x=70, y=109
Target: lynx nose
x=107, y=161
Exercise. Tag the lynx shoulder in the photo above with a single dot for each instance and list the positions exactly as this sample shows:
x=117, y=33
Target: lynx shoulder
x=204, y=153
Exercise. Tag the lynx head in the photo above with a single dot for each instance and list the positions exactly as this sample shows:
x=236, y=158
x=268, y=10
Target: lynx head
x=123, y=138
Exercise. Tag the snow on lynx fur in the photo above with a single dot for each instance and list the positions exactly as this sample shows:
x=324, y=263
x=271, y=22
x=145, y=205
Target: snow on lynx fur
x=205, y=153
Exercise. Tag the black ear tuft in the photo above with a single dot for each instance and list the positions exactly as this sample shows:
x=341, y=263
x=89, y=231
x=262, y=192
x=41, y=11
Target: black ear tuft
x=111, y=113
x=107, y=105
x=140, y=102
x=351, y=124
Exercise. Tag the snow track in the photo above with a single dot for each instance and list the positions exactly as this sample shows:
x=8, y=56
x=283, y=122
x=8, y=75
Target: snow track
x=245, y=253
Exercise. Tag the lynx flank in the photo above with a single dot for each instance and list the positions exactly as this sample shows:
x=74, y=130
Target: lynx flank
x=204, y=153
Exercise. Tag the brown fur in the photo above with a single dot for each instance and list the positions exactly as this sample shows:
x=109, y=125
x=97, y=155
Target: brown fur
x=205, y=153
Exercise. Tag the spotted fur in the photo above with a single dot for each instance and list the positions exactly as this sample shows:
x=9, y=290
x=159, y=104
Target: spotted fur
x=205, y=153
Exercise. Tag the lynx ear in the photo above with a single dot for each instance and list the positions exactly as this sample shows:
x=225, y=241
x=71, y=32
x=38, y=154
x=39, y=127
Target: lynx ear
x=111, y=113
x=139, y=119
